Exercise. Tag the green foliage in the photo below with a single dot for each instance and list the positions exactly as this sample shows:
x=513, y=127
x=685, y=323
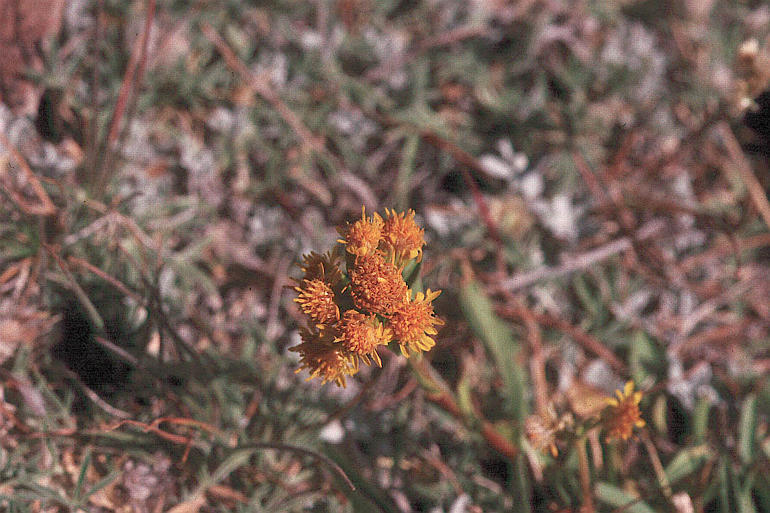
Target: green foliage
x=500, y=343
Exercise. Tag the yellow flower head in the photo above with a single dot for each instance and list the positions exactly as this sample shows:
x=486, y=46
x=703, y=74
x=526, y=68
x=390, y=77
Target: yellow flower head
x=360, y=334
x=622, y=414
x=370, y=289
x=324, y=267
x=402, y=236
x=413, y=323
x=322, y=357
x=363, y=236
x=376, y=285
x=317, y=301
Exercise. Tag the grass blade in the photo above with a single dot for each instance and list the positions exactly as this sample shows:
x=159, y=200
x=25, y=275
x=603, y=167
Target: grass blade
x=614, y=496
x=746, y=429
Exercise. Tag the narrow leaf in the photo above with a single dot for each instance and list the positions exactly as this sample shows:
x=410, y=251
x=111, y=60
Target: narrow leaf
x=746, y=428
x=614, y=496
x=82, y=476
x=686, y=462
x=499, y=342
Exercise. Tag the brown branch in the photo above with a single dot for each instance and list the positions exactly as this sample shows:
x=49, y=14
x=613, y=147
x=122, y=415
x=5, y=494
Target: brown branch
x=450, y=37
x=131, y=80
x=134, y=68
x=587, y=341
x=94, y=397
x=537, y=360
x=467, y=161
x=585, y=476
x=756, y=192
x=438, y=392
x=128, y=357
x=704, y=338
x=261, y=86
x=657, y=465
x=106, y=277
x=580, y=261
x=80, y=294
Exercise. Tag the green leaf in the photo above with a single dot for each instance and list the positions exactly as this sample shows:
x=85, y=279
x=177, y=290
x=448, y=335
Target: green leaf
x=614, y=496
x=659, y=413
x=701, y=420
x=47, y=493
x=521, y=488
x=746, y=429
x=238, y=458
x=82, y=476
x=101, y=484
x=645, y=357
x=742, y=493
x=464, y=399
x=368, y=496
x=762, y=492
x=724, y=487
x=411, y=274
x=686, y=462
x=499, y=341
x=587, y=297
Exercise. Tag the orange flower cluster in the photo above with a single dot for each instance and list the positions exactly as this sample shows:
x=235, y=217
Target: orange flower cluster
x=622, y=414
x=352, y=313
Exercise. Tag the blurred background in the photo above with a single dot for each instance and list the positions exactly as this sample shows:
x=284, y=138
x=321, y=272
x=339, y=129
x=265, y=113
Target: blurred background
x=593, y=182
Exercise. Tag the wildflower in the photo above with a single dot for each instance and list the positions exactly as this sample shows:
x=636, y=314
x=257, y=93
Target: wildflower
x=360, y=334
x=376, y=285
x=322, y=357
x=541, y=434
x=316, y=299
x=363, y=236
x=543, y=429
x=324, y=267
x=413, y=323
x=622, y=414
x=370, y=289
x=402, y=236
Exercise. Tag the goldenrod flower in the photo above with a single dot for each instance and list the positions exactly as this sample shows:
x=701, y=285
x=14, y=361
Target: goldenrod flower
x=402, y=236
x=376, y=285
x=363, y=236
x=316, y=299
x=360, y=334
x=622, y=414
x=413, y=323
x=377, y=303
x=324, y=267
x=322, y=357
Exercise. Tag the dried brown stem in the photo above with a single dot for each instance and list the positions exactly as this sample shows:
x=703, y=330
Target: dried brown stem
x=450, y=37
x=585, y=477
x=94, y=397
x=587, y=341
x=467, y=161
x=106, y=277
x=439, y=394
x=756, y=191
x=131, y=81
x=580, y=261
x=261, y=86
x=657, y=465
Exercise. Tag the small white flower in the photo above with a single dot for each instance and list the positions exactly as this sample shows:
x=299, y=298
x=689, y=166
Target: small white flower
x=333, y=432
